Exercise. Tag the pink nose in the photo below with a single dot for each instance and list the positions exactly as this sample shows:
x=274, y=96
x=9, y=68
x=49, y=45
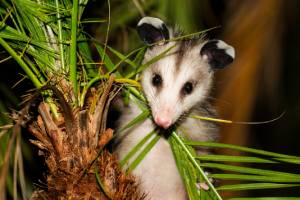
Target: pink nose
x=163, y=122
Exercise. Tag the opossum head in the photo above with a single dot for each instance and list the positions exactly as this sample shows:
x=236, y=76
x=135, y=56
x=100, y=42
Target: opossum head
x=182, y=78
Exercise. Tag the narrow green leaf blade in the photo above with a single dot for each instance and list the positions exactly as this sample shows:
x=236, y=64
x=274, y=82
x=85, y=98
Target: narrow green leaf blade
x=266, y=198
x=140, y=118
x=249, y=170
x=256, y=186
x=135, y=149
x=143, y=153
x=239, y=148
x=243, y=177
x=238, y=159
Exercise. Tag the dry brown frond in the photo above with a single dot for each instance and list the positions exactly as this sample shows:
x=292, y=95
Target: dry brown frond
x=73, y=147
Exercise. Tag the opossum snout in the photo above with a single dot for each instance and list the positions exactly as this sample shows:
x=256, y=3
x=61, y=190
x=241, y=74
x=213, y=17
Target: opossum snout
x=163, y=117
x=163, y=121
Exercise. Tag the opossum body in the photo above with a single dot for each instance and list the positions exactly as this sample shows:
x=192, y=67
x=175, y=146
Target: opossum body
x=175, y=86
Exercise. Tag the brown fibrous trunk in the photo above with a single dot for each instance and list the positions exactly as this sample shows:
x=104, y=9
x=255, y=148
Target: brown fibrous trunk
x=73, y=145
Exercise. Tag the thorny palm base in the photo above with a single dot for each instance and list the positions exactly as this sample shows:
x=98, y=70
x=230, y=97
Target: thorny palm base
x=76, y=161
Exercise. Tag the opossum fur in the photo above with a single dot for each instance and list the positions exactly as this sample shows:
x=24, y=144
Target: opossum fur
x=176, y=87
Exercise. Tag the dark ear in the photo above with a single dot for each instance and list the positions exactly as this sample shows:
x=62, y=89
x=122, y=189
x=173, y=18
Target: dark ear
x=218, y=53
x=152, y=30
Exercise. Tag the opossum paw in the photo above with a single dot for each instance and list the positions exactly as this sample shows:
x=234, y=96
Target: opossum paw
x=204, y=185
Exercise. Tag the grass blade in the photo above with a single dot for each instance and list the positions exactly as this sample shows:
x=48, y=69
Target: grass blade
x=266, y=198
x=60, y=36
x=143, y=153
x=249, y=170
x=238, y=159
x=256, y=186
x=289, y=160
x=73, y=50
x=135, y=149
x=196, y=164
x=107, y=61
x=239, y=148
x=100, y=183
x=140, y=118
x=278, y=179
x=151, y=61
x=124, y=58
x=189, y=177
x=128, y=81
x=19, y=60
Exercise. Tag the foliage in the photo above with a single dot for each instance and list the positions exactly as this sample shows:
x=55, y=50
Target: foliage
x=47, y=40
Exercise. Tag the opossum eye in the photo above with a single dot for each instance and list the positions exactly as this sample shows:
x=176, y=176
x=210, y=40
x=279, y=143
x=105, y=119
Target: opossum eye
x=156, y=80
x=187, y=88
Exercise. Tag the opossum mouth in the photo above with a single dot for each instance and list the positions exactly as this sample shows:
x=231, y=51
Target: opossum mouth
x=174, y=124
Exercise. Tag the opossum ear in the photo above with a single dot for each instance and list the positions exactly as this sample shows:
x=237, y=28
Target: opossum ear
x=218, y=53
x=152, y=30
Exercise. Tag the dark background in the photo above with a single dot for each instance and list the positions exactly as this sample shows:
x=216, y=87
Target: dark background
x=262, y=83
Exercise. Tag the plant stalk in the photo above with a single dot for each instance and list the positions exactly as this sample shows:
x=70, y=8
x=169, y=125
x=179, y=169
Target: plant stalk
x=107, y=32
x=73, y=51
x=192, y=159
x=60, y=37
x=37, y=83
x=24, y=66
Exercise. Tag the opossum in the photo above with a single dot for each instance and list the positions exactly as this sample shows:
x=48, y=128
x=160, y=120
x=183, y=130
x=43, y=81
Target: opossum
x=175, y=86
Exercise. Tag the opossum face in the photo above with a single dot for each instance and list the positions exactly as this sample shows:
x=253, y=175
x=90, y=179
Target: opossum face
x=182, y=78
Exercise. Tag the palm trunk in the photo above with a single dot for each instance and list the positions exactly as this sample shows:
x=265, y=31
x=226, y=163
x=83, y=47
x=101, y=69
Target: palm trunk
x=78, y=165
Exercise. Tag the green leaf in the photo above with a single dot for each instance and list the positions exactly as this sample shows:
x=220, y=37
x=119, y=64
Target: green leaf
x=137, y=60
x=101, y=184
x=185, y=168
x=107, y=61
x=124, y=58
x=138, y=94
x=249, y=170
x=140, y=56
x=93, y=20
x=140, y=118
x=88, y=85
x=73, y=49
x=275, y=178
x=238, y=159
x=143, y=153
x=7, y=32
x=256, y=186
x=137, y=148
x=60, y=36
x=30, y=19
x=86, y=53
x=190, y=156
x=266, y=198
x=289, y=160
x=239, y=148
x=21, y=62
x=151, y=61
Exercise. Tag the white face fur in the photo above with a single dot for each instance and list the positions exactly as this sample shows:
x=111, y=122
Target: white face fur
x=182, y=78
